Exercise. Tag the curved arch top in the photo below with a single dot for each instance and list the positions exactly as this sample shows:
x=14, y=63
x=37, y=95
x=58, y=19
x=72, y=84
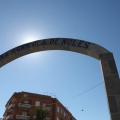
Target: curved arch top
x=80, y=46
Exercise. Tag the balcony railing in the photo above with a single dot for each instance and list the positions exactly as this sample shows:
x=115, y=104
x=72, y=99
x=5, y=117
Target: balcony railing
x=9, y=117
x=24, y=105
x=22, y=117
x=11, y=106
x=47, y=108
x=47, y=118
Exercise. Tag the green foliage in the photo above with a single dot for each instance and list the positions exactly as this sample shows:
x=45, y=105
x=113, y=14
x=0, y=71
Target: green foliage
x=40, y=113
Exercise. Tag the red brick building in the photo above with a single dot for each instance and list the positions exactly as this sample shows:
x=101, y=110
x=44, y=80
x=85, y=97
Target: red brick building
x=21, y=106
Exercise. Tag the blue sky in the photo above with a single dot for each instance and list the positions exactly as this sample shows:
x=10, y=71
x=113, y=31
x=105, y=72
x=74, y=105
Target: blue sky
x=61, y=73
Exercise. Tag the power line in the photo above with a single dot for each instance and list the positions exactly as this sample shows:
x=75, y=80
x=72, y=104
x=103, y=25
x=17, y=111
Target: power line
x=88, y=89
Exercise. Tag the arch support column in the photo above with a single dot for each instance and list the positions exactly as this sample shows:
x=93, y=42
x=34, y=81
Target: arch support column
x=112, y=84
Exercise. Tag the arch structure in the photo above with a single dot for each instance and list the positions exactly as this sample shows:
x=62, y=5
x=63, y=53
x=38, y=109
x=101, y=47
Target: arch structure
x=109, y=69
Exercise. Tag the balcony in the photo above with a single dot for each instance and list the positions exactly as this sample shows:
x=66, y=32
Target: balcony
x=9, y=117
x=47, y=118
x=11, y=106
x=47, y=108
x=24, y=105
x=22, y=117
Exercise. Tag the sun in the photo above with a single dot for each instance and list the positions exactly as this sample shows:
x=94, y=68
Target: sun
x=29, y=36
x=28, y=39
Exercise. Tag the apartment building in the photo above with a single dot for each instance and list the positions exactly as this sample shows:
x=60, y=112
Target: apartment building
x=22, y=105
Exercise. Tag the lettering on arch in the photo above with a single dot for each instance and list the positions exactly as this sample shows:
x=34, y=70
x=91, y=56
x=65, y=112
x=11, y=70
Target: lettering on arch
x=68, y=44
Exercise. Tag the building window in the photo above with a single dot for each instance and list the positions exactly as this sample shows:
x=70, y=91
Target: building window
x=37, y=103
x=64, y=114
x=58, y=109
x=24, y=113
x=61, y=111
x=57, y=118
x=26, y=102
x=44, y=105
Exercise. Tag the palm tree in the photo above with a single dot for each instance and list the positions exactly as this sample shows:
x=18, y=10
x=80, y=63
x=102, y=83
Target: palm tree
x=40, y=113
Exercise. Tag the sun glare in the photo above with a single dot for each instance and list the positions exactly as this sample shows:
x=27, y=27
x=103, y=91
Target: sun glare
x=29, y=39
x=29, y=36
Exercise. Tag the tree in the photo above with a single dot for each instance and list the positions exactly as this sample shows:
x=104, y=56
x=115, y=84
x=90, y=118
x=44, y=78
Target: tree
x=40, y=113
